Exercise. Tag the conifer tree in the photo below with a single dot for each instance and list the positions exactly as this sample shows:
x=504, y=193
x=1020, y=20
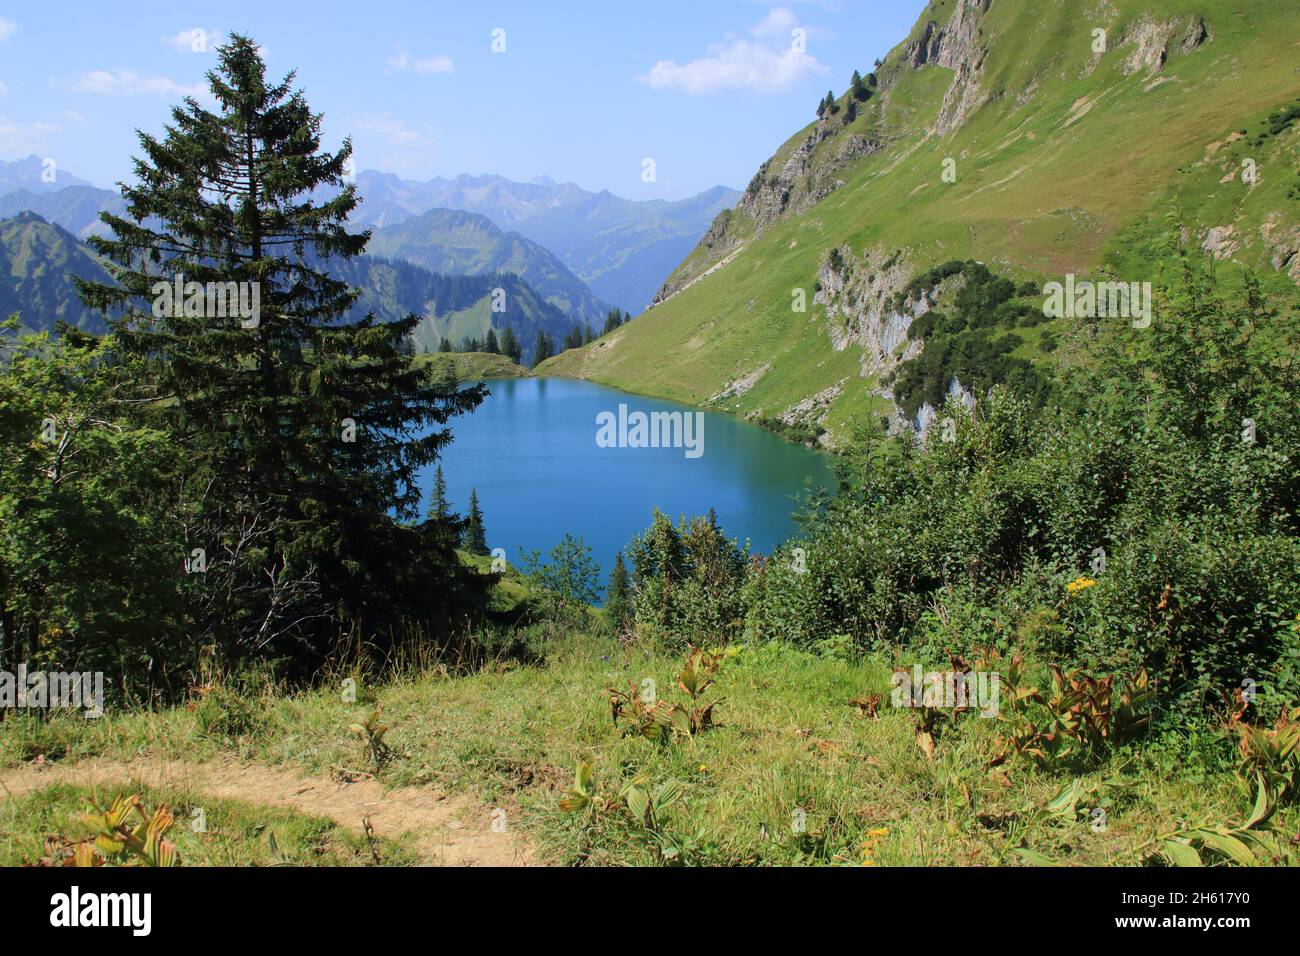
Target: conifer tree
x=439, y=509
x=475, y=539
x=858, y=87
x=544, y=348
x=618, y=606
x=490, y=343
x=444, y=345
x=303, y=429
x=510, y=346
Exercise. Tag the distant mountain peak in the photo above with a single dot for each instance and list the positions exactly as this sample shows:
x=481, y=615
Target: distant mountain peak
x=32, y=172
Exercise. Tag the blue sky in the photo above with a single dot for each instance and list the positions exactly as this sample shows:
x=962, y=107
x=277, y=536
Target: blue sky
x=584, y=91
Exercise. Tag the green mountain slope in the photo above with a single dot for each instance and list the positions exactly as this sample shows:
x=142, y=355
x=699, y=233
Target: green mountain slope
x=1060, y=159
x=37, y=264
x=451, y=306
x=451, y=242
x=38, y=261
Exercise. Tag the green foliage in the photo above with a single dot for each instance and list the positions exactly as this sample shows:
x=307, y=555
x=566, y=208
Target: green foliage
x=618, y=596
x=688, y=581
x=91, y=549
x=1250, y=843
x=568, y=582
x=961, y=342
x=117, y=842
x=1148, y=473
x=1079, y=720
x=510, y=346
x=474, y=536
x=613, y=319
x=274, y=460
x=372, y=732
x=439, y=508
x=224, y=713
x=1271, y=754
x=544, y=347
x=661, y=720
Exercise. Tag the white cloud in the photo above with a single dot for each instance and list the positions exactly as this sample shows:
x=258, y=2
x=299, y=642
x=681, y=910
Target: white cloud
x=778, y=22
x=130, y=83
x=75, y=118
x=766, y=66
x=6, y=27
x=22, y=139
x=393, y=131
x=736, y=65
x=4, y=90
x=382, y=141
x=192, y=40
x=403, y=62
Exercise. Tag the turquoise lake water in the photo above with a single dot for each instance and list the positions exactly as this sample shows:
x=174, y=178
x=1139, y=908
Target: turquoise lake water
x=531, y=452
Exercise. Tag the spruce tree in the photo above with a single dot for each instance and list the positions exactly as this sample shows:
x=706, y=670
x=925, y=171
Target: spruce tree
x=510, y=347
x=490, y=343
x=475, y=539
x=858, y=87
x=543, y=349
x=618, y=607
x=439, y=509
x=444, y=345
x=299, y=423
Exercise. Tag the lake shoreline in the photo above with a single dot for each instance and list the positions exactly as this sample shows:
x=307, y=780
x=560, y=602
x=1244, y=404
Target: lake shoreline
x=830, y=451
x=536, y=456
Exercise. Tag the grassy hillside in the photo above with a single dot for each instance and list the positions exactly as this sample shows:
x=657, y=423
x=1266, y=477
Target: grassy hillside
x=454, y=307
x=456, y=243
x=472, y=366
x=38, y=263
x=795, y=773
x=1063, y=160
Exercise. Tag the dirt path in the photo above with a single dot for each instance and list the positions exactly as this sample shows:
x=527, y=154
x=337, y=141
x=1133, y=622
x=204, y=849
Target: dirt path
x=446, y=830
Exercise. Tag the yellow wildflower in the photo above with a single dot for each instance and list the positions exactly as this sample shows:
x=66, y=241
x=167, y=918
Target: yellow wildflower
x=1079, y=584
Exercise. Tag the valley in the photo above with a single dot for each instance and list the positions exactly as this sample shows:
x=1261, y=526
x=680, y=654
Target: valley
x=931, y=501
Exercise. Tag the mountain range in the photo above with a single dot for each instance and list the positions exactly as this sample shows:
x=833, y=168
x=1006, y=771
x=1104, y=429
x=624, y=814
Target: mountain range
x=621, y=248
x=39, y=260
x=895, y=251
x=589, y=251
x=463, y=243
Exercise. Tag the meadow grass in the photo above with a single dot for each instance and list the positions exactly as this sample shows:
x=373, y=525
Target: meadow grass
x=235, y=833
x=794, y=774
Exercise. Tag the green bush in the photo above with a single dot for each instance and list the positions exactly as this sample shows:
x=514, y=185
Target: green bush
x=688, y=581
x=1164, y=486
